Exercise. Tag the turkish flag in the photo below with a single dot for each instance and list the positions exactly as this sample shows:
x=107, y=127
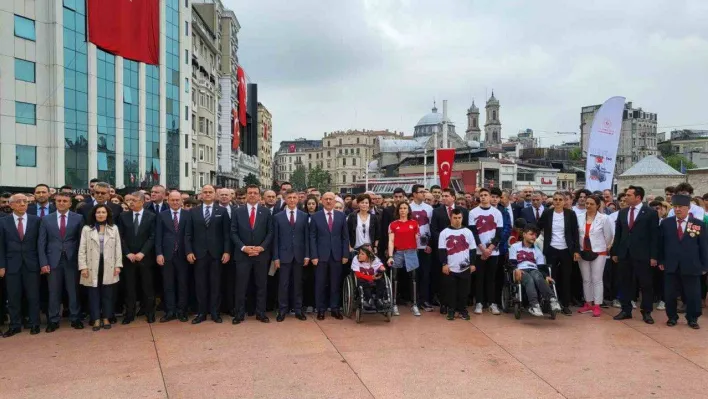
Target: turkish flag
x=446, y=158
x=128, y=28
x=236, y=141
x=241, y=76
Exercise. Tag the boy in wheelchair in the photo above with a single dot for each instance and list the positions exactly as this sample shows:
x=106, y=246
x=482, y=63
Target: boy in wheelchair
x=369, y=272
x=528, y=262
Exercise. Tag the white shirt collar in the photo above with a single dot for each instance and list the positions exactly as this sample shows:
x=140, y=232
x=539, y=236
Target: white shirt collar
x=59, y=216
x=24, y=218
x=294, y=213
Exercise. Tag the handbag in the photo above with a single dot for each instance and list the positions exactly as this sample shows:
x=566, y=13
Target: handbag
x=587, y=256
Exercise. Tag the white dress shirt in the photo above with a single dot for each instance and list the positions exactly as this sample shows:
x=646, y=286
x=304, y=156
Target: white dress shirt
x=637, y=208
x=66, y=220
x=140, y=217
x=294, y=213
x=211, y=210
x=255, y=214
x=227, y=207
x=179, y=214
x=24, y=222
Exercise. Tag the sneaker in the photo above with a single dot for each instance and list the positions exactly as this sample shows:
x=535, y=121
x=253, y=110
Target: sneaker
x=415, y=311
x=661, y=306
x=616, y=304
x=478, y=308
x=451, y=315
x=634, y=304
x=464, y=315
x=395, y=310
x=587, y=308
x=494, y=309
x=596, y=311
x=555, y=305
x=427, y=307
x=535, y=310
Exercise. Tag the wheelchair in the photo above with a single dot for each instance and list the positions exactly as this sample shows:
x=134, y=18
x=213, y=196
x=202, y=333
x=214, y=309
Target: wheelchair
x=513, y=297
x=353, y=299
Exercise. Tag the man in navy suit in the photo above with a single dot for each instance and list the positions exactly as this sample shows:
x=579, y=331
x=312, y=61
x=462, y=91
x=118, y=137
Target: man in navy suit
x=251, y=235
x=282, y=202
x=101, y=195
x=329, y=250
x=172, y=258
x=207, y=242
x=683, y=255
x=59, y=238
x=19, y=264
x=291, y=250
x=533, y=213
x=41, y=207
x=157, y=202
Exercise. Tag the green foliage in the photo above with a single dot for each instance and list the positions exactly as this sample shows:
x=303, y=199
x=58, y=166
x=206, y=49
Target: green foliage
x=299, y=178
x=575, y=154
x=666, y=150
x=675, y=162
x=320, y=178
x=251, y=179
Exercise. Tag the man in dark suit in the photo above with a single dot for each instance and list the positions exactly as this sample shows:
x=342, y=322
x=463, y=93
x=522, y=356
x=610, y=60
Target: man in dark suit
x=137, y=232
x=683, y=255
x=157, y=203
x=207, y=242
x=19, y=264
x=636, y=250
x=90, y=199
x=101, y=195
x=228, y=272
x=387, y=216
x=329, y=250
x=251, y=235
x=59, y=238
x=282, y=202
x=291, y=250
x=524, y=202
x=41, y=207
x=172, y=258
x=533, y=213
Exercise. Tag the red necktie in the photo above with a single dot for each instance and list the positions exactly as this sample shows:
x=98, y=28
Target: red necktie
x=680, y=230
x=252, y=218
x=20, y=229
x=631, y=218
x=292, y=218
x=537, y=216
x=330, y=222
x=41, y=212
x=62, y=226
x=449, y=212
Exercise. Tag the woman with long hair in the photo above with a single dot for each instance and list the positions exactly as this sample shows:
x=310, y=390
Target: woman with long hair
x=403, y=235
x=100, y=263
x=363, y=225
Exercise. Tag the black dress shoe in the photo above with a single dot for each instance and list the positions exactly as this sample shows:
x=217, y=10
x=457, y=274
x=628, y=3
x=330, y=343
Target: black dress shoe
x=216, y=319
x=141, y=312
x=34, y=330
x=77, y=325
x=566, y=311
x=337, y=315
x=127, y=320
x=167, y=317
x=300, y=316
x=199, y=318
x=183, y=317
x=262, y=318
x=320, y=315
x=113, y=320
x=12, y=331
x=694, y=324
x=237, y=320
x=51, y=327
x=443, y=309
x=671, y=322
x=646, y=316
x=151, y=318
x=623, y=316
x=280, y=317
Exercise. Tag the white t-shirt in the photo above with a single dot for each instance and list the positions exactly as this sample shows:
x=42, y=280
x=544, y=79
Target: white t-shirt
x=362, y=234
x=486, y=221
x=368, y=268
x=527, y=258
x=558, y=231
x=695, y=211
x=458, y=243
x=579, y=213
x=422, y=214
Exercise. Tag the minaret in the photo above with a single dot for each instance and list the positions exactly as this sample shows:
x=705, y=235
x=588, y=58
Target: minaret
x=492, y=127
x=473, y=132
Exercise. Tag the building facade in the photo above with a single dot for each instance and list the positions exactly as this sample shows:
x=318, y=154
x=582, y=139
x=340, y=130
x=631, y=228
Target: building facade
x=71, y=112
x=492, y=126
x=691, y=143
x=473, y=132
x=294, y=153
x=265, y=146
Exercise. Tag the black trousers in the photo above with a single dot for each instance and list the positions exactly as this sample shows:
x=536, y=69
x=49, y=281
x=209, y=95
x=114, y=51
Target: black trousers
x=437, y=285
x=458, y=289
x=24, y=283
x=63, y=278
x=561, y=263
x=323, y=270
x=486, y=275
x=207, y=284
x=423, y=275
x=228, y=288
x=308, y=286
x=290, y=276
x=631, y=271
x=101, y=297
x=259, y=267
x=658, y=278
x=130, y=275
x=3, y=302
x=611, y=280
x=174, y=280
x=691, y=286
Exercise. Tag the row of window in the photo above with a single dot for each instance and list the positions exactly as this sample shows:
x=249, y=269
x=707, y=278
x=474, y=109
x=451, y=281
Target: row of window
x=329, y=142
x=206, y=153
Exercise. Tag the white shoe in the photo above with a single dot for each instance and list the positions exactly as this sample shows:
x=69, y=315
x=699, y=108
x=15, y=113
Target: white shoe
x=395, y=310
x=616, y=304
x=536, y=311
x=661, y=306
x=494, y=309
x=634, y=304
x=478, y=308
x=555, y=305
x=415, y=311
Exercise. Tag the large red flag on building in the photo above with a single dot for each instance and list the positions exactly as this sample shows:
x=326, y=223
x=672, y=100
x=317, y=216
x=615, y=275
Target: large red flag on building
x=128, y=28
x=236, y=140
x=241, y=76
x=446, y=158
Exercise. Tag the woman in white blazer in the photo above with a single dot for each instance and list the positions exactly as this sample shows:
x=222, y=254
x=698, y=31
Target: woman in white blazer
x=596, y=234
x=100, y=262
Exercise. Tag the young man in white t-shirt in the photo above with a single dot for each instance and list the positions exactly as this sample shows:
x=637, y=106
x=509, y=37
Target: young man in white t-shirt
x=456, y=251
x=486, y=223
x=423, y=214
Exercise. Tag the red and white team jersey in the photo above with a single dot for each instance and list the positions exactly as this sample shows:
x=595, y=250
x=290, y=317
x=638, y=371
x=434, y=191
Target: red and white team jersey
x=458, y=243
x=486, y=221
x=422, y=214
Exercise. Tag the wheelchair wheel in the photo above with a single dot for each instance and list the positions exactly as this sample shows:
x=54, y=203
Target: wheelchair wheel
x=517, y=311
x=348, y=293
x=505, y=298
x=358, y=315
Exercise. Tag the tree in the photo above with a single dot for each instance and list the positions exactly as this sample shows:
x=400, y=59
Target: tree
x=575, y=154
x=666, y=150
x=675, y=161
x=320, y=178
x=299, y=178
x=251, y=179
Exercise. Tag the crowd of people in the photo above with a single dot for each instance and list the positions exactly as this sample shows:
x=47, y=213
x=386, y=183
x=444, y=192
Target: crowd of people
x=245, y=252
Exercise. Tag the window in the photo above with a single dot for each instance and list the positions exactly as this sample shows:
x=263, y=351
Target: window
x=186, y=57
x=186, y=85
x=328, y=154
x=353, y=161
x=24, y=28
x=24, y=70
x=357, y=140
x=194, y=122
x=344, y=162
x=201, y=124
x=201, y=152
x=186, y=169
x=329, y=164
x=186, y=112
x=340, y=141
x=357, y=151
x=186, y=28
x=26, y=155
x=344, y=177
x=186, y=3
x=201, y=179
x=25, y=113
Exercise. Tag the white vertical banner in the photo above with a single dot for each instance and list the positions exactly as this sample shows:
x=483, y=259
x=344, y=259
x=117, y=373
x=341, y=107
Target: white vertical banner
x=602, y=145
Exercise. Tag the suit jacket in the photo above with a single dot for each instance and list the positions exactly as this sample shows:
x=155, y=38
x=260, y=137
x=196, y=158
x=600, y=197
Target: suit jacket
x=144, y=240
x=529, y=214
x=291, y=243
x=52, y=245
x=33, y=209
x=242, y=235
x=441, y=221
x=214, y=240
x=373, y=225
x=16, y=253
x=166, y=236
x=517, y=207
x=328, y=245
x=151, y=207
x=689, y=253
x=640, y=242
x=85, y=211
x=570, y=227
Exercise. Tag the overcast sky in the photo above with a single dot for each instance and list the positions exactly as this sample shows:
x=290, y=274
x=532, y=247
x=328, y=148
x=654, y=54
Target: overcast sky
x=336, y=65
